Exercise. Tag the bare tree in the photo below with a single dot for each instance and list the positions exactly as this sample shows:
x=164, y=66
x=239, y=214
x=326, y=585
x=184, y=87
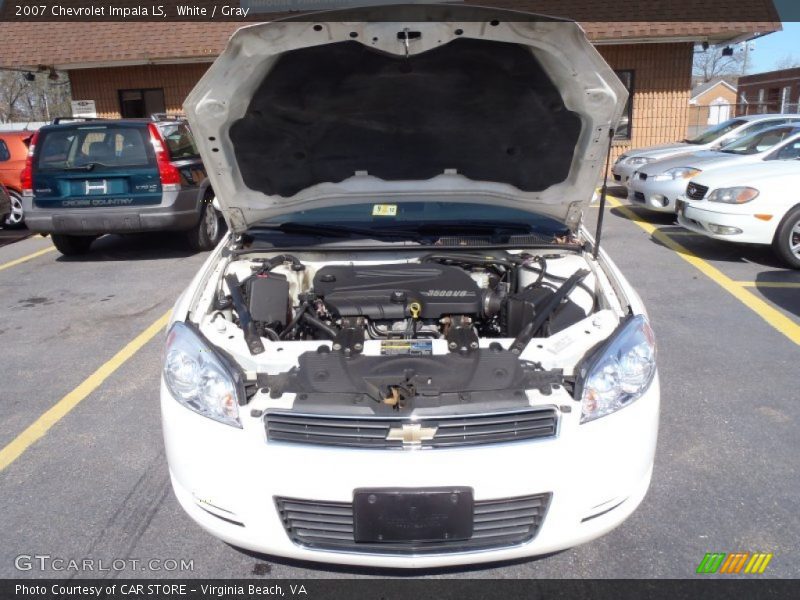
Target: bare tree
x=712, y=64
x=39, y=98
x=787, y=61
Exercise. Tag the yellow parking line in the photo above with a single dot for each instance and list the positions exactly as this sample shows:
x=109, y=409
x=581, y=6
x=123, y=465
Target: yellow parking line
x=61, y=408
x=687, y=232
x=769, y=284
x=771, y=315
x=16, y=261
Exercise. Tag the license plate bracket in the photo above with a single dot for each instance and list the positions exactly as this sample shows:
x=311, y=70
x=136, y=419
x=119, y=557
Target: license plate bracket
x=412, y=515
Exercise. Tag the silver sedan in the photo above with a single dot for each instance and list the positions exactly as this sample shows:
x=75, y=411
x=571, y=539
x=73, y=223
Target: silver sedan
x=657, y=185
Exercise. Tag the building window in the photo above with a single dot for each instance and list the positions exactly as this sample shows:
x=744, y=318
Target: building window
x=761, y=106
x=136, y=104
x=624, y=127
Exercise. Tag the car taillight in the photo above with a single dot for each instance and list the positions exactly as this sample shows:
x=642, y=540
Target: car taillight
x=169, y=173
x=26, y=178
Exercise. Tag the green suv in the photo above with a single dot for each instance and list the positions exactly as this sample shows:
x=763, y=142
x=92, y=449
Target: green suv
x=84, y=178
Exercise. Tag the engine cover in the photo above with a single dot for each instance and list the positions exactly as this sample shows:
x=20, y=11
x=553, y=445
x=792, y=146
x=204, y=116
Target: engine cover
x=389, y=291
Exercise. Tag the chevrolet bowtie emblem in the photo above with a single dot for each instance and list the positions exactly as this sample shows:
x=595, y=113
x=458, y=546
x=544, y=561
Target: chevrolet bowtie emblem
x=411, y=434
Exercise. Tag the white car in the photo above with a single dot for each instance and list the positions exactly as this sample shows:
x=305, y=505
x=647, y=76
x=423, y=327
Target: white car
x=711, y=139
x=751, y=204
x=658, y=185
x=404, y=353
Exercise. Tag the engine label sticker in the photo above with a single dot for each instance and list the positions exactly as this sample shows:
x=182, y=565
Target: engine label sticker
x=384, y=210
x=406, y=347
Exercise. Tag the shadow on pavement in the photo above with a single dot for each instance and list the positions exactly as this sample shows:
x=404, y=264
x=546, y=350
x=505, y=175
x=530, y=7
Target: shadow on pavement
x=9, y=236
x=138, y=246
x=704, y=247
x=264, y=568
x=645, y=216
x=787, y=298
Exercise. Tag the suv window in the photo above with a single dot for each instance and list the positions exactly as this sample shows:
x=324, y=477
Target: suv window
x=4, y=153
x=179, y=141
x=105, y=146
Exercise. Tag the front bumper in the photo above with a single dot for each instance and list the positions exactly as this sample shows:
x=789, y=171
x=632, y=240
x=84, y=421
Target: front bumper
x=653, y=195
x=178, y=211
x=622, y=173
x=227, y=479
x=750, y=229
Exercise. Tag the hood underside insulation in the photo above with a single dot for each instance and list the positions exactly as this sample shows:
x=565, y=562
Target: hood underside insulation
x=484, y=108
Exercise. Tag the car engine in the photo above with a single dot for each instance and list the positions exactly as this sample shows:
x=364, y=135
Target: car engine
x=457, y=297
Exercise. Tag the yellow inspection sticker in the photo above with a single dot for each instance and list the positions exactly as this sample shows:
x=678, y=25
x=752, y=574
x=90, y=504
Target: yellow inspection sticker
x=384, y=210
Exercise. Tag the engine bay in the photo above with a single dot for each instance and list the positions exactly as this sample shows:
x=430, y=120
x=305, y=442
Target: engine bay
x=457, y=297
x=363, y=333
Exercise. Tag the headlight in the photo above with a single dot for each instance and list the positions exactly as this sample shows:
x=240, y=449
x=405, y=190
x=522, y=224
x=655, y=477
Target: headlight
x=619, y=372
x=677, y=173
x=635, y=161
x=199, y=378
x=733, y=195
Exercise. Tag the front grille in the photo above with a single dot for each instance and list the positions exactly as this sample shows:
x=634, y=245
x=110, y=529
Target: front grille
x=329, y=526
x=638, y=196
x=447, y=432
x=695, y=191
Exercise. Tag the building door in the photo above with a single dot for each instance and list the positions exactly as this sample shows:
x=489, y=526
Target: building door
x=718, y=111
x=136, y=104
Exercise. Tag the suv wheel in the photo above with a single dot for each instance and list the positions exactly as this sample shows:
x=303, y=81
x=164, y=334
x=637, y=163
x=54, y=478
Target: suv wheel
x=17, y=217
x=70, y=245
x=208, y=231
x=787, y=239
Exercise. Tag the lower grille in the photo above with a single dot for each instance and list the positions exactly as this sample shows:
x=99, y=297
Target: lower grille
x=643, y=176
x=329, y=526
x=638, y=196
x=427, y=432
x=695, y=191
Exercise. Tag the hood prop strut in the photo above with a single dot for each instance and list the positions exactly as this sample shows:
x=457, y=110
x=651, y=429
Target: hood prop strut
x=603, y=191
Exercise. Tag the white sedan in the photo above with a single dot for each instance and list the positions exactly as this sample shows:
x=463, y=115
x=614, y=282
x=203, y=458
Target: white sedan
x=657, y=186
x=752, y=204
x=711, y=139
x=344, y=380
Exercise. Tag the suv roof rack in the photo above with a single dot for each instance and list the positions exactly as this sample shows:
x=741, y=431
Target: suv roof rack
x=167, y=117
x=58, y=120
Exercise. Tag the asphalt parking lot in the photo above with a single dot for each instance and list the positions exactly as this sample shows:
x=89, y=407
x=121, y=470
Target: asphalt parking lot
x=82, y=467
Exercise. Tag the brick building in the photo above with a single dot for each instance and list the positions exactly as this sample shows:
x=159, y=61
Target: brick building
x=137, y=68
x=771, y=92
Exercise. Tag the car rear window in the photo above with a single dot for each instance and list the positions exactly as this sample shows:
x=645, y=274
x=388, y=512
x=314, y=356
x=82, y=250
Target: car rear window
x=4, y=153
x=179, y=141
x=99, y=146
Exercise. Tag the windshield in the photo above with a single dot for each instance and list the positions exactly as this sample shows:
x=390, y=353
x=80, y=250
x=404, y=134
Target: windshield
x=716, y=132
x=759, y=141
x=97, y=145
x=432, y=217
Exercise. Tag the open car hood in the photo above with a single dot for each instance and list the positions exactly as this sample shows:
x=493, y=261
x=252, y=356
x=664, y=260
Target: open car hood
x=406, y=103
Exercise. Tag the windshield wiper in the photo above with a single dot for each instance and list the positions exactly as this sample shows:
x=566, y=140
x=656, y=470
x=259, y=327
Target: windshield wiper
x=87, y=167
